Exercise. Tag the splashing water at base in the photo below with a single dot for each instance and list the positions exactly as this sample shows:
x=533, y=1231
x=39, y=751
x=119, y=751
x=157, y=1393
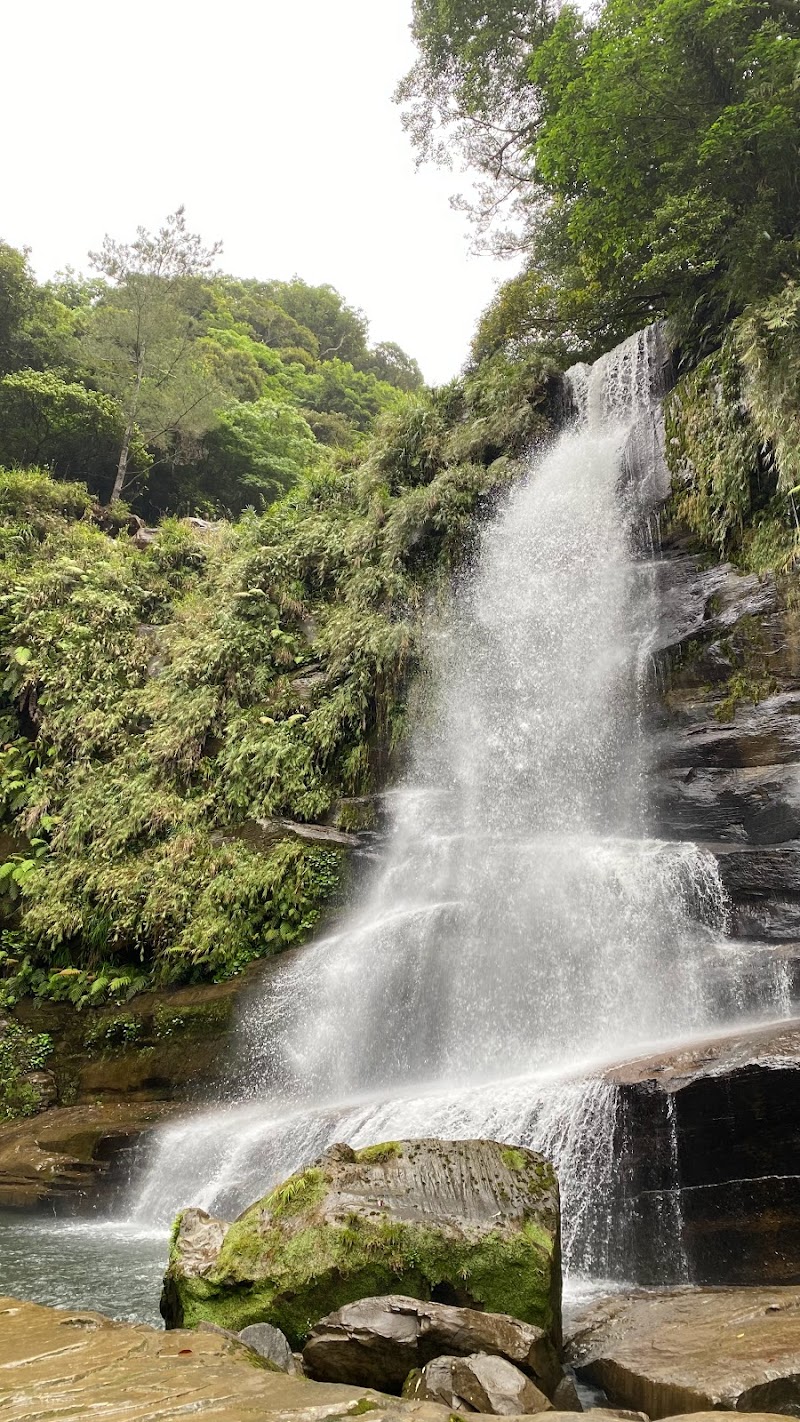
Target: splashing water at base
x=521, y=923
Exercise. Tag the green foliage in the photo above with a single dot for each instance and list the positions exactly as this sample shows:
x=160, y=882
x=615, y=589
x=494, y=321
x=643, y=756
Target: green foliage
x=166, y=708
x=74, y=431
x=21, y=1052
x=732, y=430
x=31, y=502
x=768, y=345
x=650, y=150
x=713, y=451
x=255, y=452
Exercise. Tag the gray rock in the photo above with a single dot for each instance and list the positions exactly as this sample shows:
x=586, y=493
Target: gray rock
x=420, y=1215
x=478, y=1383
x=271, y=1344
x=694, y=1350
x=565, y=1397
x=377, y=1342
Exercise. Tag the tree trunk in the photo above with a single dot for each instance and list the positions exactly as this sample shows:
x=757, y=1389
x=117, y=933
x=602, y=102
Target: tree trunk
x=122, y=466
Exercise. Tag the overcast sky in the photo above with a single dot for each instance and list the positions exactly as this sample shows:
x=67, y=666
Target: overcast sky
x=272, y=121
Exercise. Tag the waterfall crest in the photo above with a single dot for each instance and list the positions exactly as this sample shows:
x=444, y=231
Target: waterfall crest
x=522, y=927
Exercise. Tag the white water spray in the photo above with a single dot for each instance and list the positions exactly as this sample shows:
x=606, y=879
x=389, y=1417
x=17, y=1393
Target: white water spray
x=522, y=927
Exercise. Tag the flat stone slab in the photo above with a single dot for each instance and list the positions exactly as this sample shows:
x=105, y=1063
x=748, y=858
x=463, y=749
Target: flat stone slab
x=771, y=1044
x=678, y=1351
x=67, y=1151
x=73, y=1366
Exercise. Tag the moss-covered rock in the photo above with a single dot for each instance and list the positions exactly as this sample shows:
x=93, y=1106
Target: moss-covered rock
x=455, y=1221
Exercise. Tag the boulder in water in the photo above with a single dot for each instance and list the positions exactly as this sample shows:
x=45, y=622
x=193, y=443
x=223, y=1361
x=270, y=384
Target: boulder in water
x=481, y=1382
x=377, y=1342
x=694, y=1350
x=472, y=1223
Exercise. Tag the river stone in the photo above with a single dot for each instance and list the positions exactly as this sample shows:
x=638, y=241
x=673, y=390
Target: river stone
x=481, y=1382
x=693, y=1350
x=271, y=1344
x=377, y=1342
x=565, y=1396
x=473, y=1223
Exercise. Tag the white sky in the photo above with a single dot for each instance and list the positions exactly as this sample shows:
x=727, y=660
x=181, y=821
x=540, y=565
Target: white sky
x=272, y=121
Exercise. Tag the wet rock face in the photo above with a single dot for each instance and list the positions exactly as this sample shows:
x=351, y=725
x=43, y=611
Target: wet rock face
x=472, y=1221
x=478, y=1383
x=677, y=1351
x=721, y=1117
x=726, y=726
x=61, y=1158
x=378, y=1342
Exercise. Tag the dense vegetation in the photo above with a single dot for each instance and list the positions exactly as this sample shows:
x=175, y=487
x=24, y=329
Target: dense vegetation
x=647, y=158
x=179, y=389
x=172, y=704
x=165, y=707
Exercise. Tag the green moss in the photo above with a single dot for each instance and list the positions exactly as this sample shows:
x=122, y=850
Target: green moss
x=293, y=1279
x=387, y=1150
x=21, y=1052
x=514, y=1159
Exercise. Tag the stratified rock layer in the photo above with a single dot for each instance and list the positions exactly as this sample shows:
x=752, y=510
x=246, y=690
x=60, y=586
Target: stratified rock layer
x=377, y=1342
x=684, y=1350
x=470, y=1222
x=65, y=1153
x=719, y=1116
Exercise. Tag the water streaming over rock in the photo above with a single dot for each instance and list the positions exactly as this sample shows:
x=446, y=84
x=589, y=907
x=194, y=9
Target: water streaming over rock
x=521, y=926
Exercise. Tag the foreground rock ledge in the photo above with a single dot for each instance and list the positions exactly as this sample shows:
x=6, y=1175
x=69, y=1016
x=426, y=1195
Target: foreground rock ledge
x=473, y=1223
x=57, y=1363
x=54, y=1363
x=692, y=1350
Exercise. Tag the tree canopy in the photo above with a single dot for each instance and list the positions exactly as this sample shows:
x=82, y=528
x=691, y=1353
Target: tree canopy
x=182, y=388
x=651, y=151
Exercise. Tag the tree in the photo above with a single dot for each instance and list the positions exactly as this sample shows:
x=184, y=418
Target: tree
x=73, y=431
x=255, y=452
x=390, y=363
x=340, y=330
x=652, y=150
x=470, y=91
x=140, y=335
x=36, y=329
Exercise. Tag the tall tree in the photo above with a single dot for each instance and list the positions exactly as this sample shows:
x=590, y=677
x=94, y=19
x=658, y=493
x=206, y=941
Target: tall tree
x=140, y=334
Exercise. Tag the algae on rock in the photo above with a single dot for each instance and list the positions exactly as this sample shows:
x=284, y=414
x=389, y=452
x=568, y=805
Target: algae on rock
x=449, y=1220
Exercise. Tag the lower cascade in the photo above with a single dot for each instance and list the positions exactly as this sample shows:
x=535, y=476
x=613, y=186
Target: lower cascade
x=523, y=929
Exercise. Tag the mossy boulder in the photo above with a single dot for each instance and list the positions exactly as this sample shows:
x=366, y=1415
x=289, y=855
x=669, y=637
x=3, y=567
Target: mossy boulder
x=463, y=1222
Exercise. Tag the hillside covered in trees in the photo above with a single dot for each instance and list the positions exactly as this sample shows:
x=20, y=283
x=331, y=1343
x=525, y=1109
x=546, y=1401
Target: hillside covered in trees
x=168, y=705
x=181, y=390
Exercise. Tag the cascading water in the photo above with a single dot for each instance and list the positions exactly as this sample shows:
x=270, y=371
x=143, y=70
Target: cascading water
x=522, y=927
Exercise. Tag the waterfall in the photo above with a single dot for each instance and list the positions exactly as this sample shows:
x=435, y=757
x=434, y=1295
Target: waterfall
x=522, y=927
